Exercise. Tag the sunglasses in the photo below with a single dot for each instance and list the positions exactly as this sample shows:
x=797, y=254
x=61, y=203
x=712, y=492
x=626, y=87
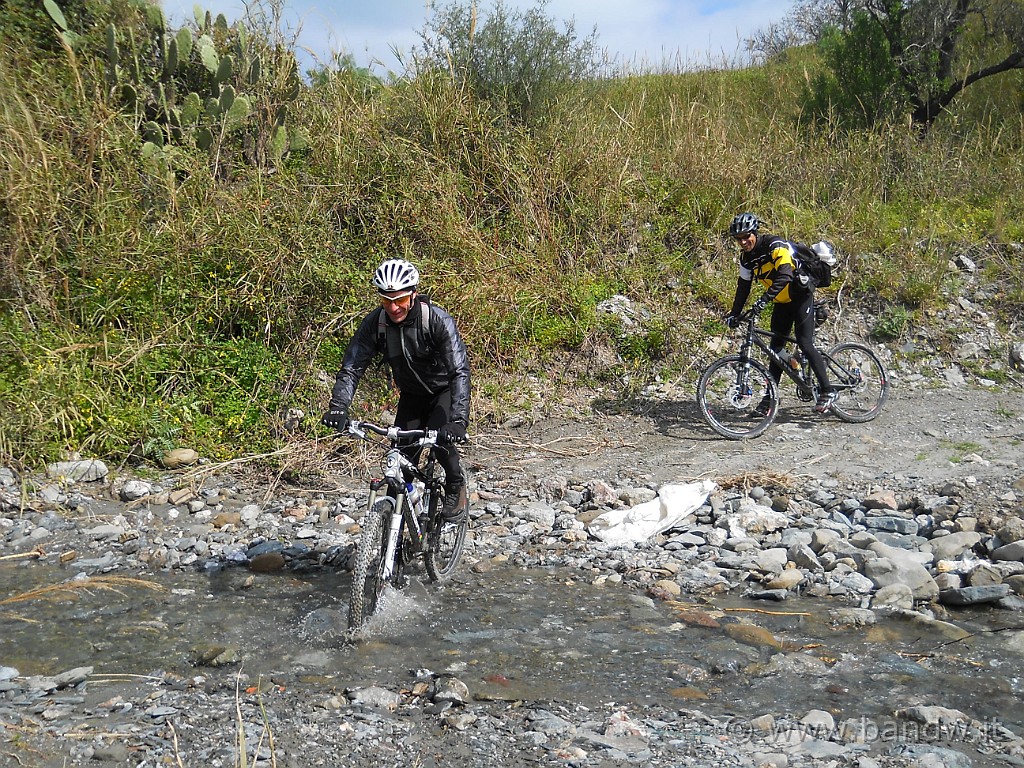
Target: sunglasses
x=741, y=238
x=395, y=300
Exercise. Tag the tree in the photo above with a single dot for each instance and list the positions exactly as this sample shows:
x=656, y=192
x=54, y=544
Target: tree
x=808, y=22
x=516, y=60
x=935, y=49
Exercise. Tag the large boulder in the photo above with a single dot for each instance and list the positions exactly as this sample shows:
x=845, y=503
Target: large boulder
x=900, y=566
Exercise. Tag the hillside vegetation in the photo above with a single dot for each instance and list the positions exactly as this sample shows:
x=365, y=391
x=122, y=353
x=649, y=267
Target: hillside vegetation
x=178, y=276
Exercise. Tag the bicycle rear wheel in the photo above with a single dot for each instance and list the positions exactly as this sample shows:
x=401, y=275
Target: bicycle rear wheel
x=367, y=579
x=445, y=541
x=860, y=378
x=729, y=394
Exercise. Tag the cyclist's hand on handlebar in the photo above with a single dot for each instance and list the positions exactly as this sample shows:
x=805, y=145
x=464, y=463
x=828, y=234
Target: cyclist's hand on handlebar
x=732, y=321
x=452, y=432
x=758, y=306
x=336, y=418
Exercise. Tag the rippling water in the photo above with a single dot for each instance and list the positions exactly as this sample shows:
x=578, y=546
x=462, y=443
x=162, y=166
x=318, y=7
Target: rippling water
x=533, y=635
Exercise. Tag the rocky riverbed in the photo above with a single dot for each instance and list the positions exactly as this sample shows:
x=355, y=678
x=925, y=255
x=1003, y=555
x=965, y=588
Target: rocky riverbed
x=915, y=517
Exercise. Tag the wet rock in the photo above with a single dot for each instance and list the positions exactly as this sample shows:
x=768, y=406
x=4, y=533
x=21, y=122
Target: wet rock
x=974, y=595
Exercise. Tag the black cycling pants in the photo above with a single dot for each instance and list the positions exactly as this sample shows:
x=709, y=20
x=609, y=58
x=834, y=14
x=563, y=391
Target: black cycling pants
x=417, y=411
x=797, y=317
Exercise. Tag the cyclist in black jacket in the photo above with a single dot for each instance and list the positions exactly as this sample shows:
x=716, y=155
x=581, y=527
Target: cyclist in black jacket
x=770, y=260
x=429, y=364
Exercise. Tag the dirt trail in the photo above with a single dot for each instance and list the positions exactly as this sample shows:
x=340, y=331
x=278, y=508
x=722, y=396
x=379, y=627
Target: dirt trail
x=922, y=438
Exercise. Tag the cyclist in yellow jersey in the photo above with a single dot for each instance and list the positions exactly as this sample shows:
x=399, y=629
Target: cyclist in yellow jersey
x=771, y=261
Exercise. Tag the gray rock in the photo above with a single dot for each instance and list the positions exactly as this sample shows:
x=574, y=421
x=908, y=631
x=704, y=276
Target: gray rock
x=1014, y=552
x=82, y=470
x=952, y=546
x=974, y=595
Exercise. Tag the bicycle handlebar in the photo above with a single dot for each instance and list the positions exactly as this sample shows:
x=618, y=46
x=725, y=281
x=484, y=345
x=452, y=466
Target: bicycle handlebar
x=394, y=434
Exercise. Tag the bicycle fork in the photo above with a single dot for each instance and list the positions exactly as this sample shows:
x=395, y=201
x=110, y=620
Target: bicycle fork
x=389, y=560
x=387, y=570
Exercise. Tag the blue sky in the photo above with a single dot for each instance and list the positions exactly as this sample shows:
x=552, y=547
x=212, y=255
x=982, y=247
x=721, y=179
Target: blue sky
x=645, y=33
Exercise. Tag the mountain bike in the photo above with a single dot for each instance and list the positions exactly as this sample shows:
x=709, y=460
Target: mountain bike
x=402, y=522
x=733, y=391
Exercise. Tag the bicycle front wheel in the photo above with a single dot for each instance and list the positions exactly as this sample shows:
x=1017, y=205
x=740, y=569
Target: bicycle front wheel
x=445, y=541
x=368, y=577
x=860, y=379
x=738, y=398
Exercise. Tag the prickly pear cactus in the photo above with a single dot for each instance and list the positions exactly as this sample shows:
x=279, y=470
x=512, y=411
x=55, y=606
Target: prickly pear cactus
x=217, y=87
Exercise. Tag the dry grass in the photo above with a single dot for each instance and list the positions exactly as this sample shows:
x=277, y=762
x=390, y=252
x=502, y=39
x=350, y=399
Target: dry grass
x=72, y=590
x=747, y=480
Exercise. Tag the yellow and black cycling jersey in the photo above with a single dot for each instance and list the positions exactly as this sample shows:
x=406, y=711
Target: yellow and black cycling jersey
x=772, y=262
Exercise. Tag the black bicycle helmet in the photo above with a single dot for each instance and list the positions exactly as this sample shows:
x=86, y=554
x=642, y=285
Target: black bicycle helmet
x=743, y=224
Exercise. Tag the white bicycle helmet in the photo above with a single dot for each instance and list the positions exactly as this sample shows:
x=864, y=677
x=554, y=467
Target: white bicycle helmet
x=396, y=275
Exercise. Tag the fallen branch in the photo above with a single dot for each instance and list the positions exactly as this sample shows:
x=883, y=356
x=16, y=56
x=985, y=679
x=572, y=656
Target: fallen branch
x=766, y=612
x=36, y=553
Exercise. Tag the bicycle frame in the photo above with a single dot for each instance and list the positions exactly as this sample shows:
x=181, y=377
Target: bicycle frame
x=384, y=549
x=804, y=379
x=396, y=467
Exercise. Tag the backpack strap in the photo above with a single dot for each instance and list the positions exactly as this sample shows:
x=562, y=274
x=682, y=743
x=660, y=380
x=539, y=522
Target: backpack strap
x=382, y=324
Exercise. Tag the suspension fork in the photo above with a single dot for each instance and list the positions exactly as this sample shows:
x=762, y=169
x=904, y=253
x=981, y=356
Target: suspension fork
x=387, y=564
x=743, y=369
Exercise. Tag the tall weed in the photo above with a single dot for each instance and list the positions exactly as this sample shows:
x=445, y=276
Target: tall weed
x=143, y=306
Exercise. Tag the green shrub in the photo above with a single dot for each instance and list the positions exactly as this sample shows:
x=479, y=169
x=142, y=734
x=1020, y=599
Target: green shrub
x=519, y=61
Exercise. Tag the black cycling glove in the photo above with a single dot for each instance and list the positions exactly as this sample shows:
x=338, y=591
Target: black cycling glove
x=336, y=418
x=452, y=432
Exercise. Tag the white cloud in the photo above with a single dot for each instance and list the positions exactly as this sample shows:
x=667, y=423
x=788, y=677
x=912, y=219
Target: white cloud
x=638, y=32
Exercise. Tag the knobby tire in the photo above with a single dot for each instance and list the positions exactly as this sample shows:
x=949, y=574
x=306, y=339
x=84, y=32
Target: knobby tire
x=445, y=541
x=367, y=580
x=730, y=411
x=858, y=365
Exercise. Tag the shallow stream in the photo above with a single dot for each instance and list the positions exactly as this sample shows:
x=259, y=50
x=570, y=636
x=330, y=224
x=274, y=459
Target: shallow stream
x=525, y=635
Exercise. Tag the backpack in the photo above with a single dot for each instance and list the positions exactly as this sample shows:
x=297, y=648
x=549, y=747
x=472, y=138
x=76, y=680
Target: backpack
x=816, y=261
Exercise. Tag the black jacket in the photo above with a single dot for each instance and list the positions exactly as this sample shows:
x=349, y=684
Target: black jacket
x=423, y=361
